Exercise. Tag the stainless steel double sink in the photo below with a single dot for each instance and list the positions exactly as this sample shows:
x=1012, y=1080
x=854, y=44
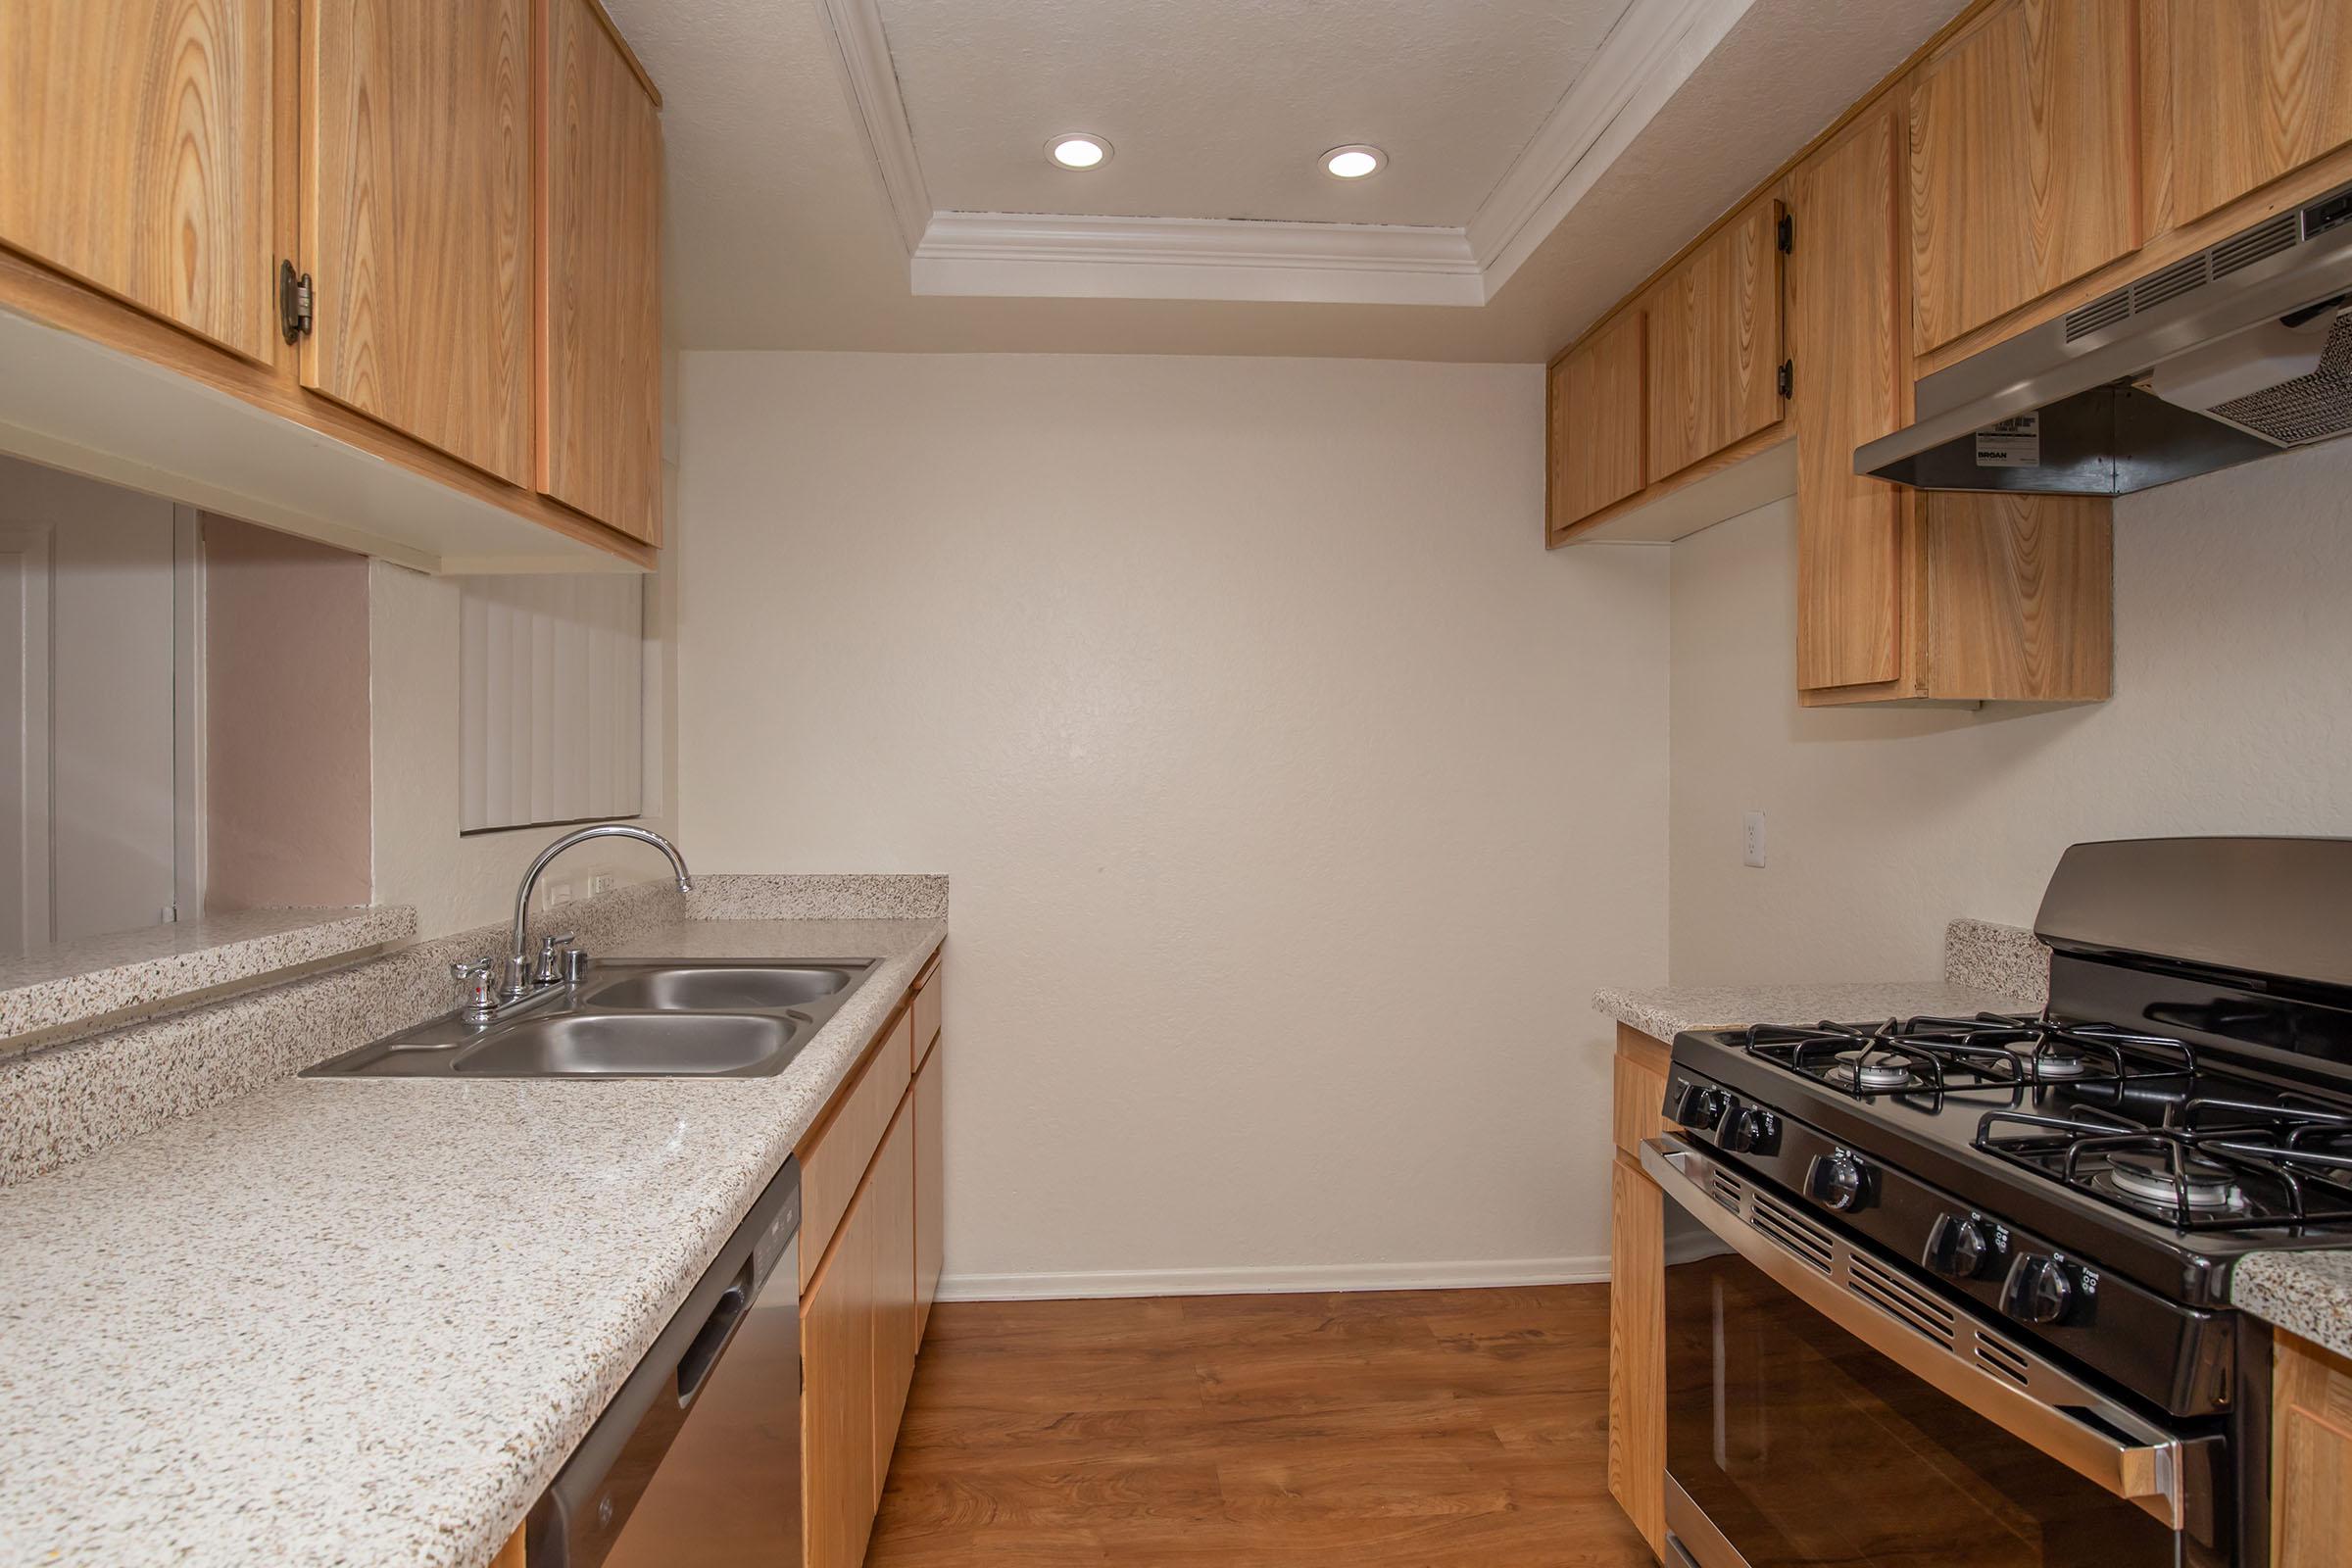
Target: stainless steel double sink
x=631, y=1018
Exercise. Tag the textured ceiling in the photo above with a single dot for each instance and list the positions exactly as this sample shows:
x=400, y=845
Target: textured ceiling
x=780, y=235
x=1220, y=108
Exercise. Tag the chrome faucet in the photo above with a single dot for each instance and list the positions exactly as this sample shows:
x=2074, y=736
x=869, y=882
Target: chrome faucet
x=517, y=979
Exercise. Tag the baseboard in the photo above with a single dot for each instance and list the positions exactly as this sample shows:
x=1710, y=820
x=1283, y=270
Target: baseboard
x=1274, y=1281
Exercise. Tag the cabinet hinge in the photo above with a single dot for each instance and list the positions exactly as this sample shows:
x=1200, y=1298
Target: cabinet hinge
x=1785, y=233
x=293, y=302
x=1787, y=378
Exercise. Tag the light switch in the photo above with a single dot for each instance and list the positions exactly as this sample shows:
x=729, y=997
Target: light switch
x=1753, y=839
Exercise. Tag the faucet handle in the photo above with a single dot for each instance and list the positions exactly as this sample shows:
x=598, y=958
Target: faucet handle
x=478, y=991
x=549, y=970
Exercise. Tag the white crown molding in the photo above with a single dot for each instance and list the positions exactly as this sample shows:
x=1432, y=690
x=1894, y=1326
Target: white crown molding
x=863, y=51
x=1647, y=55
x=1650, y=52
x=1073, y=257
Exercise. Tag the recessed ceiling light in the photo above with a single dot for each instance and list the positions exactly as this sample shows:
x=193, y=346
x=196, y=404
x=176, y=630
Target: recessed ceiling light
x=1357, y=162
x=1077, y=150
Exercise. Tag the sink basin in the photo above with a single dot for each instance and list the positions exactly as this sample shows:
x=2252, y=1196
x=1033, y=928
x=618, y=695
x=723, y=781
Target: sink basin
x=630, y=1018
x=678, y=1045
x=720, y=988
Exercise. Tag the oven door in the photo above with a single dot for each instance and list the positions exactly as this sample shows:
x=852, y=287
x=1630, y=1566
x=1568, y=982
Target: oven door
x=1824, y=1404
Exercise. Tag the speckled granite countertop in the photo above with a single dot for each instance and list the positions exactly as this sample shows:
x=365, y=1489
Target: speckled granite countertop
x=1986, y=967
x=2304, y=1293
x=363, y=1321
x=54, y=991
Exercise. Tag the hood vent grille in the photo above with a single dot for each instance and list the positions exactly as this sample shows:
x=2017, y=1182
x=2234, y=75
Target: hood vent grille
x=2244, y=249
x=2169, y=284
x=2309, y=408
x=2186, y=275
x=2103, y=312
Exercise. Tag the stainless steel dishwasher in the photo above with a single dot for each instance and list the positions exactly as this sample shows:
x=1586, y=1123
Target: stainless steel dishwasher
x=696, y=1464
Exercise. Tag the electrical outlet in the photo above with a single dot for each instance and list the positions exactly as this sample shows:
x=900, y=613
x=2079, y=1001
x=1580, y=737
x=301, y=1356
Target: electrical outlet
x=557, y=894
x=600, y=883
x=1753, y=839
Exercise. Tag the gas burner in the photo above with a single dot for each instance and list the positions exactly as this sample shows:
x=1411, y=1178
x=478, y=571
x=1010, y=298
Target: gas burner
x=1930, y=1056
x=2200, y=1164
x=1870, y=1071
x=2181, y=1181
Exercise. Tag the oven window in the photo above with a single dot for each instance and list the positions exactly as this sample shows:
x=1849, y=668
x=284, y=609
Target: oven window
x=1805, y=1446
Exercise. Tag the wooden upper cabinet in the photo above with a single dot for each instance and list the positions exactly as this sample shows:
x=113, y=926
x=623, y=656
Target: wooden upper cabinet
x=1715, y=343
x=417, y=219
x=1599, y=400
x=2023, y=160
x=2239, y=92
x=135, y=155
x=600, y=291
x=1846, y=339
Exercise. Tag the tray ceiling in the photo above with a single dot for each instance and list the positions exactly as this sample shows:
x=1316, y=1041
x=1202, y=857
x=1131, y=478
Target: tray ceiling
x=871, y=174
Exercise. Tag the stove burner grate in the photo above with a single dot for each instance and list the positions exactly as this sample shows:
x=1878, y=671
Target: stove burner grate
x=2212, y=1163
x=1930, y=1055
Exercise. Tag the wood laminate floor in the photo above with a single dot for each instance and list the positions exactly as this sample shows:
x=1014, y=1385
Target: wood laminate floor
x=1424, y=1429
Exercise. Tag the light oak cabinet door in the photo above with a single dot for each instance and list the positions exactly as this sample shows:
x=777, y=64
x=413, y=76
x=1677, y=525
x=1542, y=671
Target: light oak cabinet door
x=136, y=155
x=1637, y=1463
x=1638, y=1349
x=2023, y=160
x=417, y=219
x=1599, y=399
x=839, y=1479
x=930, y=1186
x=1846, y=337
x=2239, y=92
x=1715, y=346
x=2310, y=1481
x=599, y=402
x=890, y=1196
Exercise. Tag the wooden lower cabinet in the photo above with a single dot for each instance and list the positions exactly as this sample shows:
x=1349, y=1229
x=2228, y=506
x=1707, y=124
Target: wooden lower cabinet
x=891, y=1197
x=1638, y=1349
x=2311, y=1455
x=865, y=1302
x=1637, y=1289
x=930, y=1186
x=840, y=1479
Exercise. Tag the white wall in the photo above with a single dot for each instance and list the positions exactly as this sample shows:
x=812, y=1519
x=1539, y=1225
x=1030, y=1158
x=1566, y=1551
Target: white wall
x=1295, y=798
x=2232, y=713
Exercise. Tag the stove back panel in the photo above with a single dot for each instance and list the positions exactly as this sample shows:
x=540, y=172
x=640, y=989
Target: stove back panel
x=2275, y=906
x=2301, y=1032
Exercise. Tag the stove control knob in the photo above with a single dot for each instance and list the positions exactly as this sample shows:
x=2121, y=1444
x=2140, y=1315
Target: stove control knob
x=2040, y=1291
x=1702, y=1108
x=1839, y=1179
x=1959, y=1248
x=1753, y=1131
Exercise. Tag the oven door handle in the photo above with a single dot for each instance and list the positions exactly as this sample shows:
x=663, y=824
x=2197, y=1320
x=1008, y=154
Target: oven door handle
x=2073, y=1423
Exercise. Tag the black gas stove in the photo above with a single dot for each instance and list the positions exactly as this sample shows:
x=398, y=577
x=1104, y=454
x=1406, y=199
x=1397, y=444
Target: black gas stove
x=2068, y=1191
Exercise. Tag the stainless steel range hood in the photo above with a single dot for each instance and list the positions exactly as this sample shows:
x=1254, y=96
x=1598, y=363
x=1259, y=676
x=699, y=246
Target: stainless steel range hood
x=2237, y=352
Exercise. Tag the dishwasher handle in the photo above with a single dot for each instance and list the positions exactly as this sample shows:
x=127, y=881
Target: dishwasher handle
x=579, y=1518
x=712, y=1343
